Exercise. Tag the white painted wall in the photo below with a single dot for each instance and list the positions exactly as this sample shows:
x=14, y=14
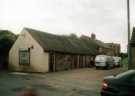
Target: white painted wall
x=39, y=60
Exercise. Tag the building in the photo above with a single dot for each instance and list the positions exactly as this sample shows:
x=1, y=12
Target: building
x=111, y=49
x=36, y=51
x=115, y=49
x=132, y=50
x=102, y=48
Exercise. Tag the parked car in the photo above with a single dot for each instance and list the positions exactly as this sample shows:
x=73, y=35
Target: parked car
x=104, y=61
x=117, y=61
x=120, y=85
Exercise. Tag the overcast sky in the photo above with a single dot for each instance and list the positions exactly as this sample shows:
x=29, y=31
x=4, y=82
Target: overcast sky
x=105, y=18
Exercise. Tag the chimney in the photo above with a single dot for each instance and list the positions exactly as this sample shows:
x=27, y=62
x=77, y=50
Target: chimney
x=93, y=36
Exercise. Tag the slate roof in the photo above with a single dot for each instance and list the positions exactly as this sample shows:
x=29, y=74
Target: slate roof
x=65, y=44
x=101, y=44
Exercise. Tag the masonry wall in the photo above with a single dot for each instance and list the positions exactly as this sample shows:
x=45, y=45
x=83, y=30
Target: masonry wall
x=41, y=61
x=38, y=58
x=62, y=62
x=132, y=57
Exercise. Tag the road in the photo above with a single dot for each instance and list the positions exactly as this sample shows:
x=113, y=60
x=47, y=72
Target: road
x=78, y=82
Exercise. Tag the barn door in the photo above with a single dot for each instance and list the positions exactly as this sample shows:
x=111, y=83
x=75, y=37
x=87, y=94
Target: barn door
x=75, y=61
x=51, y=64
x=81, y=62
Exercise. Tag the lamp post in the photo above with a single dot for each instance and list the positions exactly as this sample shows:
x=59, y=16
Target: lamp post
x=128, y=22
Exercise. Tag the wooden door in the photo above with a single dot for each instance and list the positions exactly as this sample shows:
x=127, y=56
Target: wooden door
x=51, y=64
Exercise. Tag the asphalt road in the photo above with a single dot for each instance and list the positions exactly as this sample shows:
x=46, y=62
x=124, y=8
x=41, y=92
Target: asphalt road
x=78, y=82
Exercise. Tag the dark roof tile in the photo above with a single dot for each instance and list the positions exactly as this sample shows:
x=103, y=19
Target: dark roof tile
x=65, y=44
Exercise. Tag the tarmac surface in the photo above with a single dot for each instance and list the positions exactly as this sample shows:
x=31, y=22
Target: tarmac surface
x=78, y=82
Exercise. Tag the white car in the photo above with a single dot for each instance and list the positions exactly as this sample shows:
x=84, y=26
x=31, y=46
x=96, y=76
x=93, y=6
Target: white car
x=117, y=61
x=104, y=61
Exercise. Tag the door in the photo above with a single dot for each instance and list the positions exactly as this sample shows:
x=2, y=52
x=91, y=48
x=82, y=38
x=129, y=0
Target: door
x=51, y=64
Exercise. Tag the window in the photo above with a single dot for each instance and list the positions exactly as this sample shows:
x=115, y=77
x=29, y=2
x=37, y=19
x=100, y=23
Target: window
x=24, y=56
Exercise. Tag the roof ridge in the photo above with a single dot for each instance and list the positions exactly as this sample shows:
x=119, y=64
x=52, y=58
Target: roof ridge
x=36, y=30
x=58, y=43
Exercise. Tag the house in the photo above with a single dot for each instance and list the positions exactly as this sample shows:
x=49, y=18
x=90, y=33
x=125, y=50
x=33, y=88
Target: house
x=111, y=49
x=102, y=48
x=36, y=51
x=114, y=49
x=132, y=50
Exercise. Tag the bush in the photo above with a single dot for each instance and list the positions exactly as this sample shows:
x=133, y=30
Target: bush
x=7, y=39
x=125, y=62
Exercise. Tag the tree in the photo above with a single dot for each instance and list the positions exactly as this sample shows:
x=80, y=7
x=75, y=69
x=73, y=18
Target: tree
x=72, y=35
x=7, y=39
x=123, y=55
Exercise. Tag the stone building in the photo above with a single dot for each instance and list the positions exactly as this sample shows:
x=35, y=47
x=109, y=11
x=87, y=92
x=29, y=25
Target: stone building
x=102, y=47
x=36, y=51
x=115, y=49
x=132, y=50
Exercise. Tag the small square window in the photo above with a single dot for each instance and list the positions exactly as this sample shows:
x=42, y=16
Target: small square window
x=24, y=56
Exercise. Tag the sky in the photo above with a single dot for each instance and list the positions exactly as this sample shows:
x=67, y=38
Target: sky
x=106, y=18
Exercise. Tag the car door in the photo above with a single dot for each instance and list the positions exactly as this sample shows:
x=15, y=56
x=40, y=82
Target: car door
x=124, y=85
x=132, y=91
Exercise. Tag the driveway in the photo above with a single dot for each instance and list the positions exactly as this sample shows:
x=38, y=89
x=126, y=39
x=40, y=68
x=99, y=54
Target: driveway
x=79, y=82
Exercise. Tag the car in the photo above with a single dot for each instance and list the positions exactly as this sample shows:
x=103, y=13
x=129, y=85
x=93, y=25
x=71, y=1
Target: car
x=122, y=84
x=117, y=61
x=104, y=61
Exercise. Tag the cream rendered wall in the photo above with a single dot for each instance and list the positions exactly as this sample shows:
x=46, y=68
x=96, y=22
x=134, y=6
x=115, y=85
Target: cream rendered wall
x=39, y=60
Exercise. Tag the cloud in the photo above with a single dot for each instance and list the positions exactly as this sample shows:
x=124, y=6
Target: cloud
x=105, y=18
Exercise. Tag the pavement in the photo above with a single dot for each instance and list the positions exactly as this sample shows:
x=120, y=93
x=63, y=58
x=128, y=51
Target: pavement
x=77, y=82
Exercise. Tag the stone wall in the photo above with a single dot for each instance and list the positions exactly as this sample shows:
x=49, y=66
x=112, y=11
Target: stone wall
x=133, y=57
x=68, y=61
x=63, y=62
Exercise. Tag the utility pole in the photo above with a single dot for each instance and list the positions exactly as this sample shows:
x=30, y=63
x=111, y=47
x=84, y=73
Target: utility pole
x=128, y=22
